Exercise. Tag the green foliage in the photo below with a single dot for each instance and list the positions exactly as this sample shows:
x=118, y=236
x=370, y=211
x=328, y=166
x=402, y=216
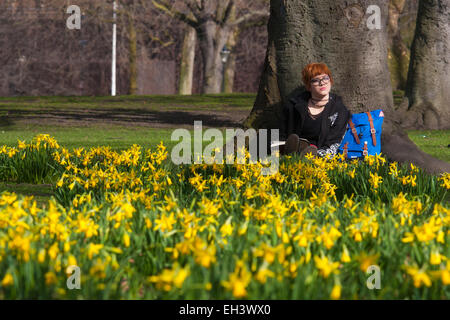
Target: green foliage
x=141, y=228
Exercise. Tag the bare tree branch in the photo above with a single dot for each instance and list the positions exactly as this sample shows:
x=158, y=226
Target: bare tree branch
x=221, y=7
x=254, y=16
x=164, y=7
x=230, y=12
x=194, y=7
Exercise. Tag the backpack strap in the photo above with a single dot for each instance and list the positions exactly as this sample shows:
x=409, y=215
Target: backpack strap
x=365, y=150
x=372, y=128
x=355, y=135
x=345, y=150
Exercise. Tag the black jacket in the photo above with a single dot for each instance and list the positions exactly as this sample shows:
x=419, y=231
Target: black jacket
x=333, y=125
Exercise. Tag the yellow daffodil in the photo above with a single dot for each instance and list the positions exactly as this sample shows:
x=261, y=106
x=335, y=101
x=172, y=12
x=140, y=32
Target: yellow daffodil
x=419, y=277
x=262, y=274
x=345, y=257
x=165, y=223
x=326, y=266
x=336, y=292
x=227, y=228
x=238, y=281
x=435, y=258
x=375, y=180
x=50, y=278
x=8, y=280
x=367, y=260
x=126, y=240
x=352, y=173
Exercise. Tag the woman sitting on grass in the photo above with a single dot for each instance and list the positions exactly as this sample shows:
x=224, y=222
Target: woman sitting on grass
x=315, y=121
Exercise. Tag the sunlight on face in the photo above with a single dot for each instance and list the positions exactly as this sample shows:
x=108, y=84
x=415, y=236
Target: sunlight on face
x=320, y=88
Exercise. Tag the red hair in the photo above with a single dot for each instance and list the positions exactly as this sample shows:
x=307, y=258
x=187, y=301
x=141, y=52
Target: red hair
x=315, y=69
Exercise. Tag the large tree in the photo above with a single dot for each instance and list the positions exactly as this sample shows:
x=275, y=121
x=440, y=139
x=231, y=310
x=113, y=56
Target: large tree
x=427, y=94
x=301, y=32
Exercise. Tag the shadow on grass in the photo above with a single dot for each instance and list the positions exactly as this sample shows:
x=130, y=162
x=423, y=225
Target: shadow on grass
x=123, y=115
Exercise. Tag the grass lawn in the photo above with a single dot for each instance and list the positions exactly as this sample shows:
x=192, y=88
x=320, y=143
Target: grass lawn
x=117, y=137
x=121, y=136
x=433, y=142
x=216, y=102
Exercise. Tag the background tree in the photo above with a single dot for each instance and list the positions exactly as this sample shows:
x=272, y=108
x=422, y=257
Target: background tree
x=312, y=31
x=230, y=66
x=187, y=61
x=130, y=9
x=44, y=57
x=428, y=85
x=41, y=56
x=214, y=22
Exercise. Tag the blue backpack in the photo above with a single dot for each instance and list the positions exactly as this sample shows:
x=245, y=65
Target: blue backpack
x=363, y=135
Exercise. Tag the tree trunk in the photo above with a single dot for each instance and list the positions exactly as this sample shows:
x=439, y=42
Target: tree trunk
x=132, y=55
x=228, y=81
x=398, y=54
x=230, y=66
x=212, y=38
x=301, y=32
x=187, y=61
x=427, y=94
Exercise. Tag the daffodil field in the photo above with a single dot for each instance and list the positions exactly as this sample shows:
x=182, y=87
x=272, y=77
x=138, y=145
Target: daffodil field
x=140, y=227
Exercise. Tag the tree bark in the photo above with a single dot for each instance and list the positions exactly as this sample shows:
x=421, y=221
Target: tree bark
x=230, y=66
x=301, y=32
x=398, y=54
x=213, y=22
x=132, y=55
x=427, y=94
x=212, y=38
x=187, y=61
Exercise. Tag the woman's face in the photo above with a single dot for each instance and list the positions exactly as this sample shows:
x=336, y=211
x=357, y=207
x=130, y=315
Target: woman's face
x=320, y=88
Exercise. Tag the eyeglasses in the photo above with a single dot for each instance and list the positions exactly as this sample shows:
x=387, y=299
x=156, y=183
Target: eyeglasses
x=316, y=82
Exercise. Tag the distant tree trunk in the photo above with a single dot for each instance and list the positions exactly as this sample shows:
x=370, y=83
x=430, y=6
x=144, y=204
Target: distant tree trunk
x=428, y=86
x=132, y=55
x=213, y=21
x=398, y=52
x=228, y=81
x=212, y=38
x=187, y=61
x=230, y=66
x=313, y=31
